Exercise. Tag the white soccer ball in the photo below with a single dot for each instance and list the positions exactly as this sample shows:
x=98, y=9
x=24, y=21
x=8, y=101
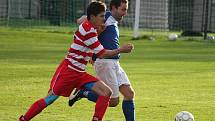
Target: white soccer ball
x=184, y=116
x=173, y=36
x=210, y=37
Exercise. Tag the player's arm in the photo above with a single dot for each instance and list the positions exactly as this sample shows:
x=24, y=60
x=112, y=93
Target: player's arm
x=81, y=19
x=127, y=48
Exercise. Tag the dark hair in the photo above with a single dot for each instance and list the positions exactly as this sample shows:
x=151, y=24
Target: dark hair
x=117, y=3
x=95, y=8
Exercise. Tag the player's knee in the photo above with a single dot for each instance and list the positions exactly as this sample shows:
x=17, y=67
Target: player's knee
x=114, y=102
x=107, y=92
x=130, y=95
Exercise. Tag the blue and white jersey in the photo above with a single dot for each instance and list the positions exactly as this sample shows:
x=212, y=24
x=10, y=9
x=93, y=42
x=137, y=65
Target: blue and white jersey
x=109, y=38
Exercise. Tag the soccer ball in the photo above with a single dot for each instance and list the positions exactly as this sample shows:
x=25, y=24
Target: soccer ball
x=184, y=116
x=210, y=37
x=173, y=37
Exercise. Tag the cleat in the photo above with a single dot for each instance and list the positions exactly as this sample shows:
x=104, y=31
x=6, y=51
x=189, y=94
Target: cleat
x=74, y=97
x=22, y=118
x=96, y=119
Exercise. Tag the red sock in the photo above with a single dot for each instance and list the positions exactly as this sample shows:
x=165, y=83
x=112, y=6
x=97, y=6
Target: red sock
x=35, y=109
x=101, y=106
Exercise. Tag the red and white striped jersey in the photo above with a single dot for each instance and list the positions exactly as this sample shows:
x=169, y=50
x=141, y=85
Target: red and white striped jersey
x=85, y=44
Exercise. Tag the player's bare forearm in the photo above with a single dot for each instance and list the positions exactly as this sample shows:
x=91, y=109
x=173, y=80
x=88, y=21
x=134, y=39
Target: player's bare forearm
x=126, y=48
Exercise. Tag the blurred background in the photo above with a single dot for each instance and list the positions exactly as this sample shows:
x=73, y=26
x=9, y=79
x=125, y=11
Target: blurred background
x=159, y=15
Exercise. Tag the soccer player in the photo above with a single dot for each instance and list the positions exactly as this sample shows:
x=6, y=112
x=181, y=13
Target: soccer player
x=71, y=72
x=109, y=69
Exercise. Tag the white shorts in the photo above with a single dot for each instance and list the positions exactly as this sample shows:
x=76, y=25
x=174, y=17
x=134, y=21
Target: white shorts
x=110, y=71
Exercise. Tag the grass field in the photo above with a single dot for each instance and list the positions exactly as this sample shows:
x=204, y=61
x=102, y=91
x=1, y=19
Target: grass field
x=168, y=77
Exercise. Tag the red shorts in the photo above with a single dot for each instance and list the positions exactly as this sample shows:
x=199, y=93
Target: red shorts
x=65, y=80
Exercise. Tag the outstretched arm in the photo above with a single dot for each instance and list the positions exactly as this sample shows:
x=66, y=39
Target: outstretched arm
x=127, y=48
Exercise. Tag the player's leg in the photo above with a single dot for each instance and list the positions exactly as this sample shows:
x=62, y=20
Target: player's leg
x=127, y=91
x=91, y=96
x=109, y=78
x=84, y=93
x=38, y=106
x=106, y=71
x=104, y=93
x=42, y=103
x=128, y=105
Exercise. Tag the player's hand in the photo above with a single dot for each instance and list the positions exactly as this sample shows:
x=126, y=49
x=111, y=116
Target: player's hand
x=126, y=48
x=81, y=19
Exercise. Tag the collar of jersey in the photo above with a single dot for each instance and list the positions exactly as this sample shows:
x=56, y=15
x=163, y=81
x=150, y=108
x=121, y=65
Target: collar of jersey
x=111, y=21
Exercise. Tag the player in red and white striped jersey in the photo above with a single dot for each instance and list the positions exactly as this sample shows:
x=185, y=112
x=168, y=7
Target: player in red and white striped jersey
x=71, y=72
x=85, y=44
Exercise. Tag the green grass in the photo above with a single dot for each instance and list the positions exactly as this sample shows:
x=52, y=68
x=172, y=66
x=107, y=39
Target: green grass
x=168, y=77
